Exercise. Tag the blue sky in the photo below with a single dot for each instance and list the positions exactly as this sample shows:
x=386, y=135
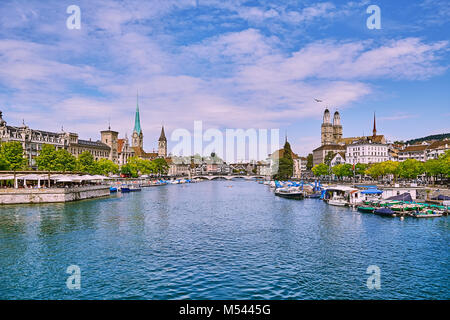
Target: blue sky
x=232, y=64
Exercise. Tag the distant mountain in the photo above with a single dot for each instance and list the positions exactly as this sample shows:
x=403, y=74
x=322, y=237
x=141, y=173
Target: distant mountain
x=432, y=137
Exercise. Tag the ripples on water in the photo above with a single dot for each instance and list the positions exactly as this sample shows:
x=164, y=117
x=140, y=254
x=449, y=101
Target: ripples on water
x=212, y=241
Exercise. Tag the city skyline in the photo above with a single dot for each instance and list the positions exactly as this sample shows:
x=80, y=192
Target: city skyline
x=233, y=65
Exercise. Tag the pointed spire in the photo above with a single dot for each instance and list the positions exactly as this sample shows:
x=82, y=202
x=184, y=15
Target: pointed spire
x=137, y=118
x=374, y=126
x=162, y=137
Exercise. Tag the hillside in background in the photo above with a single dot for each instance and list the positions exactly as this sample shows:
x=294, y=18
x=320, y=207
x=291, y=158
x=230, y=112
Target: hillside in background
x=432, y=137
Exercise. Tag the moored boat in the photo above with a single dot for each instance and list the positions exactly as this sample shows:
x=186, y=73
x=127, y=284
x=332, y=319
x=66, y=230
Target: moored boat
x=290, y=193
x=366, y=209
x=426, y=214
x=313, y=196
x=340, y=202
x=124, y=189
x=387, y=212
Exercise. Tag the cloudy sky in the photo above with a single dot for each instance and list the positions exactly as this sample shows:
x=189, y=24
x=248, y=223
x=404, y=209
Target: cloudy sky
x=231, y=64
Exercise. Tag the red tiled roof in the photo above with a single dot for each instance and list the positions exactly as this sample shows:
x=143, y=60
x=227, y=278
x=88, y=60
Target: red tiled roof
x=415, y=148
x=139, y=152
x=438, y=144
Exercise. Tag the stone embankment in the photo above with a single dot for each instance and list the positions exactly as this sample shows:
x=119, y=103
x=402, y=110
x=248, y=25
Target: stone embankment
x=16, y=196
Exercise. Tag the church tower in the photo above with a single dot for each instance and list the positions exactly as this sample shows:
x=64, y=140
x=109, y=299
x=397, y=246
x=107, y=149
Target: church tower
x=162, y=144
x=374, y=126
x=110, y=138
x=137, y=137
x=337, y=127
x=327, y=129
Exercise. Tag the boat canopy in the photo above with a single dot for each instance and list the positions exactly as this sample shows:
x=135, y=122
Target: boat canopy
x=372, y=191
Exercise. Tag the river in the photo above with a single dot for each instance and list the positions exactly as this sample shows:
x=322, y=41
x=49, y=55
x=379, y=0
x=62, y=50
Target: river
x=217, y=240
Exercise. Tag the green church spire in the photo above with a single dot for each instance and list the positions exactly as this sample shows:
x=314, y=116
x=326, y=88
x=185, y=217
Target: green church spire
x=137, y=119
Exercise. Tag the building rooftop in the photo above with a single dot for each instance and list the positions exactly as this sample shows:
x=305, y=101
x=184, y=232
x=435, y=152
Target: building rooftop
x=96, y=144
x=330, y=147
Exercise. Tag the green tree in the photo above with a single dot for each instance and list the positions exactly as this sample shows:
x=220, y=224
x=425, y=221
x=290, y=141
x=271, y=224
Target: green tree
x=133, y=167
x=160, y=166
x=375, y=170
x=390, y=167
x=46, y=158
x=342, y=170
x=126, y=169
x=309, y=161
x=433, y=168
x=444, y=161
x=320, y=170
x=285, y=164
x=86, y=163
x=410, y=168
x=12, y=155
x=64, y=161
x=107, y=167
x=360, y=168
x=4, y=165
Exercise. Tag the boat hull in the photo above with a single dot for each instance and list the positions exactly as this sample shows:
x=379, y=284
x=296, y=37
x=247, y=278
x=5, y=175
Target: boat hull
x=295, y=196
x=337, y=203
x=366, y=209
x=385, y=212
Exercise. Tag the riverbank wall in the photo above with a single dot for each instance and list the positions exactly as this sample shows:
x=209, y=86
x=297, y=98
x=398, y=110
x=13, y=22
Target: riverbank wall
x=24, y=196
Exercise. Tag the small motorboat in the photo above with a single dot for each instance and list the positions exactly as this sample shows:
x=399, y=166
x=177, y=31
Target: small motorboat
x=135, y=189
x=366, y=209
x=387, y=212
x=340, y=202
x=426, y=214
x=124, y=189
x=290, y=193
x=112, y=189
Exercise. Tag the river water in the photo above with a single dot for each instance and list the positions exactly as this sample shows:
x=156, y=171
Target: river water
x=217, y=240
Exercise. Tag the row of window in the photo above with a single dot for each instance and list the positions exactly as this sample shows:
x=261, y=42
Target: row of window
x=374, y=153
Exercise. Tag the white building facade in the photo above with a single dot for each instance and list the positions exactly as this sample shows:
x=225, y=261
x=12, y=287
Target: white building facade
x=365, y=151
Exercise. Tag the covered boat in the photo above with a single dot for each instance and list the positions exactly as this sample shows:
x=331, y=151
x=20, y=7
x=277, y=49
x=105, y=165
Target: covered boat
x=441, y=197
x=385, y=212
x=402, y=197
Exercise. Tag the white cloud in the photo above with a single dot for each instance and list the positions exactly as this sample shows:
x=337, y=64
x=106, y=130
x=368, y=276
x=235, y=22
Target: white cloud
x=235, y=79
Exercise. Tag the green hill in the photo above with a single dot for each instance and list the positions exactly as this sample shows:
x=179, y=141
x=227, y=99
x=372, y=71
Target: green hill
x=432, y=137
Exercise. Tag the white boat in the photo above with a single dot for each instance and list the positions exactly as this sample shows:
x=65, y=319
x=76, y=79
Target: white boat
x=290, y=193
x=338, y=201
